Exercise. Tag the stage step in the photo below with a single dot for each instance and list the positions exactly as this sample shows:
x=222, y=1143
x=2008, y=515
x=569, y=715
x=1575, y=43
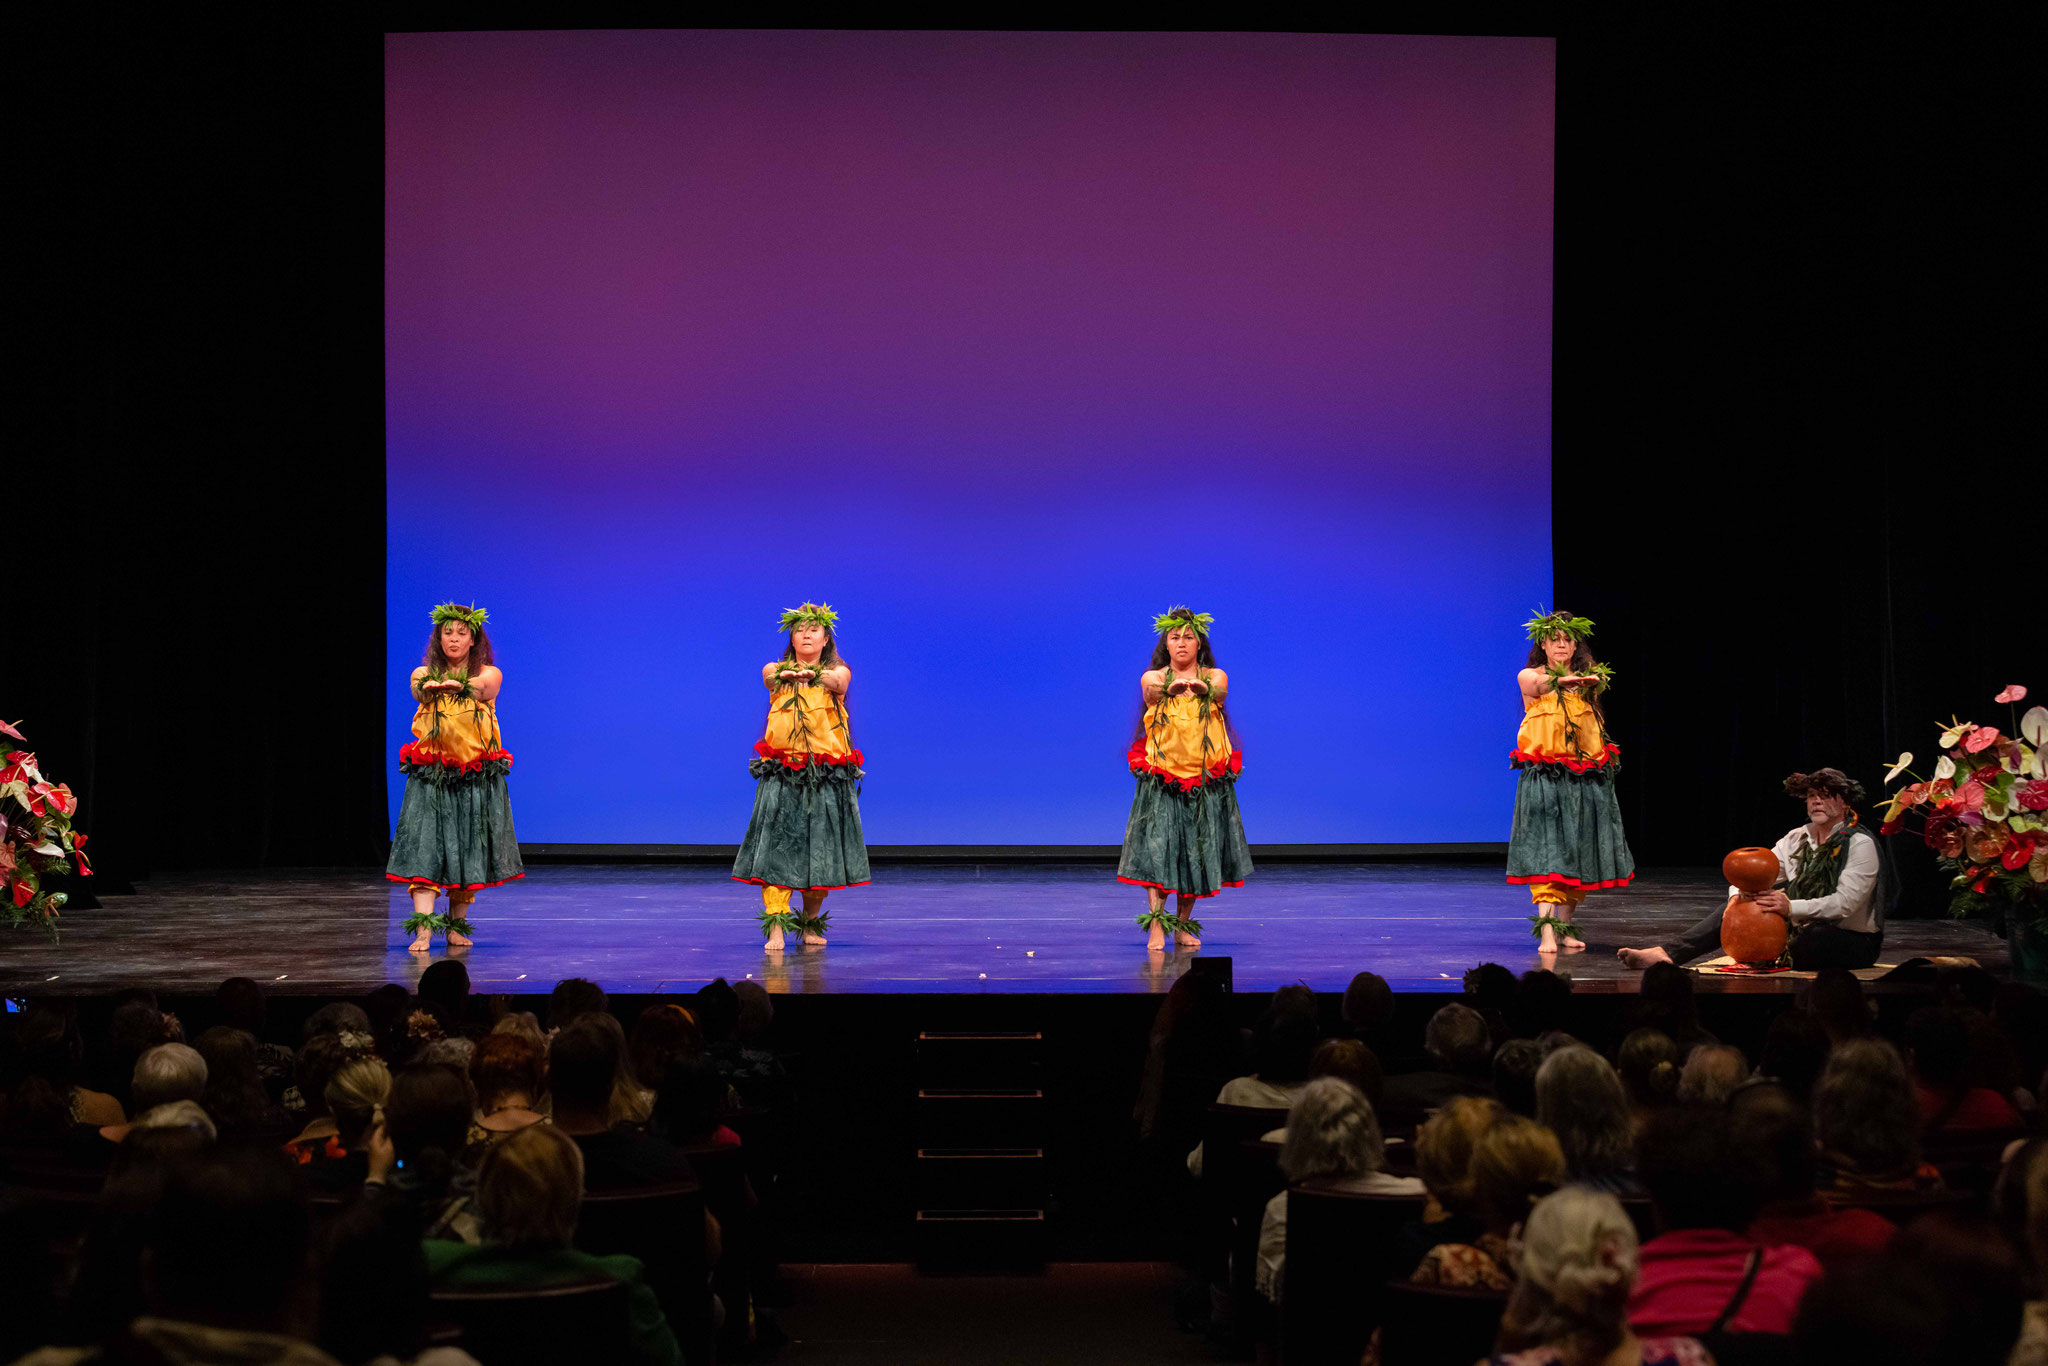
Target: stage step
x=982, y=1184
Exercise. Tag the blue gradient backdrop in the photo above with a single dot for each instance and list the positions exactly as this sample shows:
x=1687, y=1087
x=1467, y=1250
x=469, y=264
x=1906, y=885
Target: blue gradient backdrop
x=1001, y=343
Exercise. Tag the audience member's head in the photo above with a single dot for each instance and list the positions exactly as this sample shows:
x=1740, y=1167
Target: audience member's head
x=1688, y=1161
x=168, y=1072
x=1711, y=1074
x=1664, y=1002
x=508, y=1069
x=1938, y=1048
x=1331, y=1134
x=1579, y=1098
x=583, y=1065
x=234, y=1089
x=188, y=1117
x=226, y=1244
x=373, y=1285
x=445, y=984
x=1947, y=1289
x=1578, y=1267
x=356, y=1096
x=1489, y=986
x=662, y=1034
x=1648, y=1066
x=522, y=1023
x=1514, y=1074
x=52, y=1053
x=1542, y=1001
x=339, y=1017
x=388, y=1008
x=2019, y=1202
x=757, y=1011
x=1349, y=1060
x=1795, y=1049
x=1514, y=1164
x=1297, y=998
x=690, y=1102
x=320, y=1057
x=572, y=999
x=1865, y=1114
x=529, y=1189
x=428, y=1118
x=1457, y=1040
x=1836, y=1000
x=1443, y=1150
x=1282, y=1046
x=1773, y=1133
x=717, y=1011
x=238, y=1004
x=1368, y=1006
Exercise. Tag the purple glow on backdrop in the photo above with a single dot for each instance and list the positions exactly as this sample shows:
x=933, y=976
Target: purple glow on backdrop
x=1001, y=343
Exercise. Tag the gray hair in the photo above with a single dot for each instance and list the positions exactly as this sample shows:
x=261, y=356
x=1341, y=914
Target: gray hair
x=168, y=1072
x=1457, y=1037
x=178, y=1114
x=336, y=1017
x=1864, y=1109
x=523, y=1023
x=1712, y=1072
x=1578, y=1265
x=1579, y=1097
x=1331, y=1132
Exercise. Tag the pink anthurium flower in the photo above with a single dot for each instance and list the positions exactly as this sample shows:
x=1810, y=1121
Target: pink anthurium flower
x=2013, y=693
x=1980, y=739
x=6, y=729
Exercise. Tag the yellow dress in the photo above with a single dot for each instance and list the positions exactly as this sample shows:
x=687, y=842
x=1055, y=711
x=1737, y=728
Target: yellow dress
x=805, y=833
x=1179, y=745
x=815, y=730
x=454, y=826
x=1185, y=834
x=1545, y=737
x=455, y=732
x=1567, y=838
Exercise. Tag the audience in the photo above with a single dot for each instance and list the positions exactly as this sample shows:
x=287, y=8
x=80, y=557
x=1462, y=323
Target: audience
x=573, y=998
x=1711, y=1074
x=508, y=1071
x=1515, y=1064
x=135, y=1027
x=1281, y=1047
x=689, y=1109
x=1950, y=1105
x=444, y=988
x=1333, y=1140
x=337, y=1160
x=529, y=1193
x=583, y=1070
x=661, y=1035
x=1542, y=1004
x=2027, y=1174
x=1367, y=1013
x=1515, y=1163
x=322, y=1056
x=1665, y=1003
x=1443, y=1160
x=1647, y=1063
x=235, y=1097
x=427, y=1121
x=167, y=1073
x=1774, y=1136
x=1703, y=1273
x=1867, y=1122
x=1460, y=1052
x=756, y=1075
x=1836, y=1000
x=1795, y=1049
x=238, y=1004
x=1570, y=1304
x=1580, y=1099
x=1946, y=1291
x=47, y=1101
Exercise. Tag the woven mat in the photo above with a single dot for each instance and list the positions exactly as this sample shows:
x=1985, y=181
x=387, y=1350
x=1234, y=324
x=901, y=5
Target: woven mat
x=1724, y=966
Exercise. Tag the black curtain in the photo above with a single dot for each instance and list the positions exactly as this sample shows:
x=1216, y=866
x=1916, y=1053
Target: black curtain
x=1790, y=284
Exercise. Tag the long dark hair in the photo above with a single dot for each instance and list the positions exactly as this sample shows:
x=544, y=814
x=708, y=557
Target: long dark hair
x=828, y=658
x=1582, y=662
x=479, y=651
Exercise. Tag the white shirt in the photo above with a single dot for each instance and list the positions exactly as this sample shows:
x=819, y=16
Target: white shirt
x=1853, y=903
x=1255, y=1094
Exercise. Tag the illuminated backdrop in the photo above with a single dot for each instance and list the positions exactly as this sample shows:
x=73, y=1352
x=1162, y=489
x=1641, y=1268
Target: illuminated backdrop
x=1001, y=343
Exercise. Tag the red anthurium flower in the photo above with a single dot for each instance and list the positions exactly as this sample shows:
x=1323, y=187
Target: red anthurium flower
x=2018, y=852
x=1980, y=739
x=19, y=767
x=23, y=893
x=2034, y=795
x=6, y=729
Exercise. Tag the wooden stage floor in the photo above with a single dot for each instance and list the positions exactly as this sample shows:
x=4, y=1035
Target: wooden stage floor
x=1014, y=928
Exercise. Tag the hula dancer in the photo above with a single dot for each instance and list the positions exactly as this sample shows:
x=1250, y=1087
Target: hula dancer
x=455, y=827
x=1185, y=835
x=805, y=835
x=1567, y=838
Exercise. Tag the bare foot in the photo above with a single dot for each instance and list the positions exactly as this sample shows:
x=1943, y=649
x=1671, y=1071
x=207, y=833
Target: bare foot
x=1571, y=945
x=457, y=940
x=1546, y=939
x=812, y=937
x=423, y=944
x=1155, y=939
x=774, y=944
x=1642, y=958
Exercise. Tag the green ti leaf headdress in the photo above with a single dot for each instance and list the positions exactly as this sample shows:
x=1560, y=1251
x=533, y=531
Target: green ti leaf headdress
x=1544, y=625
x=472, y=616
x=1176, y=617
x=819, y=612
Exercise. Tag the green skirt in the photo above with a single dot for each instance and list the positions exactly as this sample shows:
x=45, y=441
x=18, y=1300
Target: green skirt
x=805, y=833
x=455, y=828
x=1190, y=843
x=1568, y=828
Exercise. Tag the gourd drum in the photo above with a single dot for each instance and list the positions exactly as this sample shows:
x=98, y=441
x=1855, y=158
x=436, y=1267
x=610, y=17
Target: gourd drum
x=1748, y=935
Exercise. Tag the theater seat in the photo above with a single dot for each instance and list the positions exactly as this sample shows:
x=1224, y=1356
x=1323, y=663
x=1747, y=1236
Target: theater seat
x=580, y=1323
x=662, y=1226
x=1339, y=1247
x=1434, y=1325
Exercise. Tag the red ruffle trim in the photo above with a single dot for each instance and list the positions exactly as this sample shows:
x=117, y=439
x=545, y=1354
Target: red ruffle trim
x=797, y=759
x=1158, y=887
x=413, y=754
x=1612, y=754
x=1140, y=766
x=1574, y=882
x=762, y=882
x=451, y=886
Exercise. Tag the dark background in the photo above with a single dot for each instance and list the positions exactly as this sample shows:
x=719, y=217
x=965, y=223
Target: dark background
x=1794, y=269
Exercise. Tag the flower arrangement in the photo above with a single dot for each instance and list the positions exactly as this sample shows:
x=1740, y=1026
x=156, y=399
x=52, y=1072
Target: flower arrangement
x=1984, y=812
x=36, y=838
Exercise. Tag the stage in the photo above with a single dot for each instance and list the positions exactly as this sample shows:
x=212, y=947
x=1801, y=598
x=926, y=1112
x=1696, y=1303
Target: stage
x=921, y=928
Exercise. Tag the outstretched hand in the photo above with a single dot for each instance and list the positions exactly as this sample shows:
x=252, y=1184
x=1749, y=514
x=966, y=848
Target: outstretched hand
x=1777, y=903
